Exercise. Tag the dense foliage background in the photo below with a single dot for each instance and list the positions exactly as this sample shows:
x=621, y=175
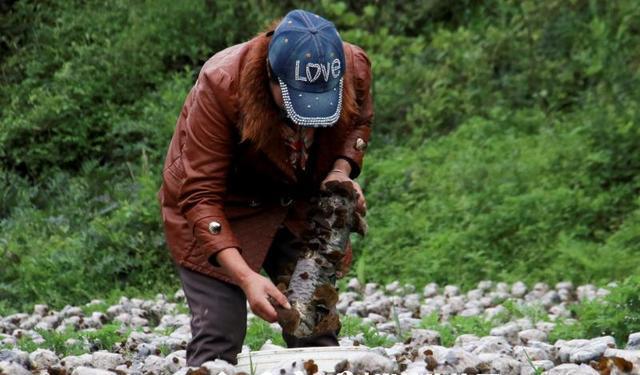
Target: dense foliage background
x=506, y=143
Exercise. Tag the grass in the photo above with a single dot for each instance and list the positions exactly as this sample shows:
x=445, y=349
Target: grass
x=535, y=312
x=352, y=326
x=259, y=331
x=456, y=326
x=102, y=339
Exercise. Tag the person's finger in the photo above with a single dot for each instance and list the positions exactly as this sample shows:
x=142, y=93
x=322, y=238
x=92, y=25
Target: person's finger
x=361, y=204
x=361, y=207
x=279, y=297
x=266, y=311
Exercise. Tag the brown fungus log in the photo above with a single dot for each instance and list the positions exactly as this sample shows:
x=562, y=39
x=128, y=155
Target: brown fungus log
x=311, y=288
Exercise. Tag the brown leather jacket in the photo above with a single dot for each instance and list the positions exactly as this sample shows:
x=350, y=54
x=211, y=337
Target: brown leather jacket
x=227, y=161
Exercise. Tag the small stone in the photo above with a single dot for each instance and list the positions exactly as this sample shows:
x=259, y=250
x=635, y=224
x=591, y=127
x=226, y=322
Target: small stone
x=153, y=364
x=531, y=369
x=485, y=285
x=179, y=295
x=567, y=285
x=541, y=287
x=354, y=285
x=409, y=288
x=175, y=361
x=393, y=287
x=41, y=359
x=451, y=291
x=219, y=365
x=532, y=334
x=633, y=343
x=106, y=360
x=546, y=327
x=475, y=294
x=586, y=292
x=456, y=360
x=138, y=322
x=30, y=322
x=430, y=290
x=187, y=371
x=502, y=287
x=519, y=289
x=505, y=365
x=563, y=348
x=493, y=344
x=367, y=363
x=463, y=340
x=71, y=362
x=40, y=310
x=560, y=311
x=472, y=311
x=124, y=318
x=14, y=355
x=115, y=310
x=572, y=369
x=592, y=350
x=550, y=298
x=424, y=337
x=13, y=368
x=370, y=288
x=509, y=331
x=430, y=306
x=91, y=371
x=71, y=311
x=412, y=302
x=524, y=354
x=381, y=306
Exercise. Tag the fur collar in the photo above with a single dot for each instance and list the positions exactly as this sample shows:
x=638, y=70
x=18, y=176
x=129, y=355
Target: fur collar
x=260, y=121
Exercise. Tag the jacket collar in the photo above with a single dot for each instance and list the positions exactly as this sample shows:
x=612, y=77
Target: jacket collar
x=260, y=120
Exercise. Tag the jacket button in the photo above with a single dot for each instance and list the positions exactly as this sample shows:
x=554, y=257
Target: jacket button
x=215, y=227
x=360, y=144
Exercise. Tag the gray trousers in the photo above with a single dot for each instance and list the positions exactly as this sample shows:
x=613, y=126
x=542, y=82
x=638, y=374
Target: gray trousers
x=219, y=309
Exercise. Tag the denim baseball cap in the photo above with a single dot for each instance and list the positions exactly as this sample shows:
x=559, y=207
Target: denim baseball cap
x=306, y=55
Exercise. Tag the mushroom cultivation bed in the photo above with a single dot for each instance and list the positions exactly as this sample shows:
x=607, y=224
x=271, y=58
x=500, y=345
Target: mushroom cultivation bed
x=160, y=333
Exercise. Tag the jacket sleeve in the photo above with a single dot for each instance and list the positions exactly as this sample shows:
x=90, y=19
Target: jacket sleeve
x=357, y=138
x=206, y=157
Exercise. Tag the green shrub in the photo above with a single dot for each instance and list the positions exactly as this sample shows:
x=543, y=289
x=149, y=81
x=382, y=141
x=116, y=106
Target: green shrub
x=81, y=67
x=81, y=245
x=618, y=315
x=505, y=142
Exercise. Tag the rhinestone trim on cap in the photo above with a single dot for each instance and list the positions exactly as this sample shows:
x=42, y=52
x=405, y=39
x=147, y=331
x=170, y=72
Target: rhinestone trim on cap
x=316, y=122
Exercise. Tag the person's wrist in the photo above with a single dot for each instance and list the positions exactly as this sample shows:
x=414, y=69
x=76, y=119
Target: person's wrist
x=338, y=170
x=342, y=165
x=244, y=278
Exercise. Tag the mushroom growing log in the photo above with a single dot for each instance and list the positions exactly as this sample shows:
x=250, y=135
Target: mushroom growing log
x=311, y=287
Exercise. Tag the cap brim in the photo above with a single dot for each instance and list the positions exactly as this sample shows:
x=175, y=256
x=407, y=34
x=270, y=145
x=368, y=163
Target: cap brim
x=312, y=109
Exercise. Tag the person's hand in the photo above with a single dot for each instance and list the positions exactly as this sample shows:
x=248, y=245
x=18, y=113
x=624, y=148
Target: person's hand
x=259, y=290
x=341, y=176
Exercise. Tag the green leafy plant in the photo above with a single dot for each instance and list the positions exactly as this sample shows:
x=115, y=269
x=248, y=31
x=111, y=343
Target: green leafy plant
x=617, y=314
x=352, y=326
x=258, y=332
x=456, y=326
